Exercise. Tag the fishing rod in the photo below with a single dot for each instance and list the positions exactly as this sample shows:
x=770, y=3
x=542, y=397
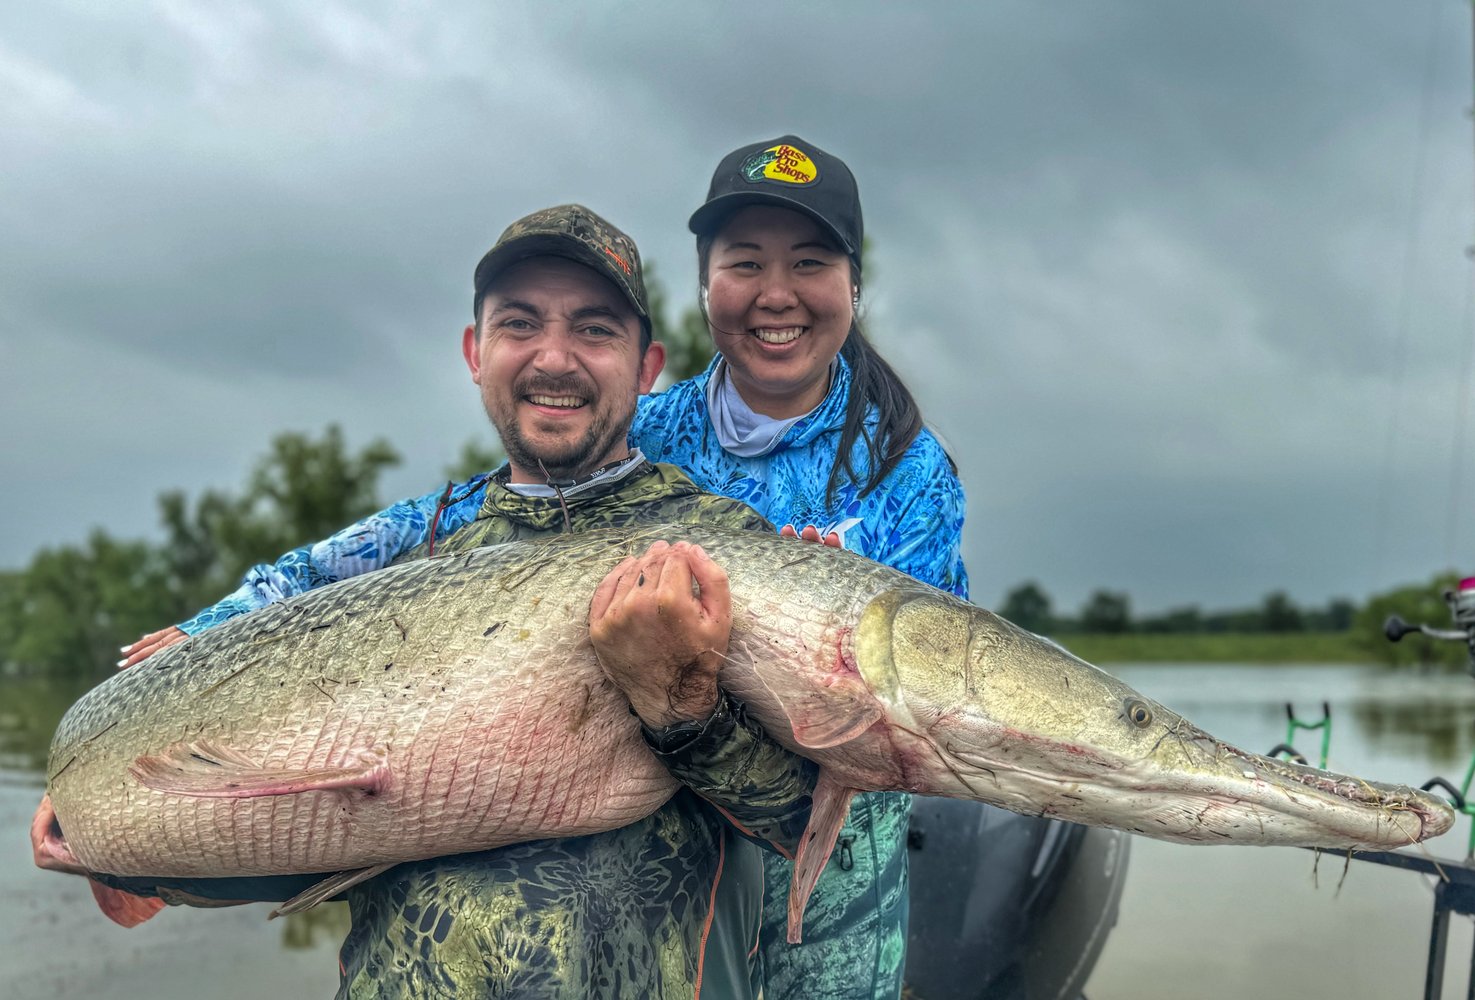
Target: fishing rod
x=1461, y=602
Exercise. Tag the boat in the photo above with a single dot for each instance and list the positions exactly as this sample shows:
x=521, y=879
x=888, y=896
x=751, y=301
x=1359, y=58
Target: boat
x=1007, y=907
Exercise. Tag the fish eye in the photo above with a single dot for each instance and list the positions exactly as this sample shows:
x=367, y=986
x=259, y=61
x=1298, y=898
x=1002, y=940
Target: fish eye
x=1139, y=713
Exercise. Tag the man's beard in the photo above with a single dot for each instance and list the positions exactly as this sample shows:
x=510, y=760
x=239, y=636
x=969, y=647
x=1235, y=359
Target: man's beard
x=562, y=461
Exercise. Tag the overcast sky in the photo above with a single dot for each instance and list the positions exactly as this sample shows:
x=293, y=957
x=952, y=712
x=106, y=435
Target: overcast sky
x=1181, y=284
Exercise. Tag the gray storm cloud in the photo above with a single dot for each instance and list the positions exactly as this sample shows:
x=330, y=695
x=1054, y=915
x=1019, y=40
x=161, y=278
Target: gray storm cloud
x=1165, y=276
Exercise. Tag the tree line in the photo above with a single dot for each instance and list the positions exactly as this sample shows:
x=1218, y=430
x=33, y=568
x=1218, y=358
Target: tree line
x=69, y=610
x=1109, y=612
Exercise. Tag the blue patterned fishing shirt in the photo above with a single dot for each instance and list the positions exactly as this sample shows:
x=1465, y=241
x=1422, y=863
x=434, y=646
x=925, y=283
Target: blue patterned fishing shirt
x=855, y=926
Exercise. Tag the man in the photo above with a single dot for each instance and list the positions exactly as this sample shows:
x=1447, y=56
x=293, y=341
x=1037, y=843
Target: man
x=669, y=906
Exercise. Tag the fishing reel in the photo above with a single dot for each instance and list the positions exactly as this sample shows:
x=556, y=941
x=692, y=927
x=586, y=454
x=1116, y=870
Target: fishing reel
x=1461, y=601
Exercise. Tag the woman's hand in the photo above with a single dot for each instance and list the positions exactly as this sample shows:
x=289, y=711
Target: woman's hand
x=660, y=625
x=150, y=644
x=811, y=534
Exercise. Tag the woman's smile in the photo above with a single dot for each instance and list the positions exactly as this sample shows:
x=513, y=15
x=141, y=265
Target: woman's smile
x=779, y=335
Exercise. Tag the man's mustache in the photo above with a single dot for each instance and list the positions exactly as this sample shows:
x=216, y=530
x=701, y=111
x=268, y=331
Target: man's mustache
x=556, y=387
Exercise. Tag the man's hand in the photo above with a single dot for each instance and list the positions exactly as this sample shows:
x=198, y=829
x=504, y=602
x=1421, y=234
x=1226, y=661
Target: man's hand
x=811, y=534
x=660, y=641
x=150, y=644
x=48, y=849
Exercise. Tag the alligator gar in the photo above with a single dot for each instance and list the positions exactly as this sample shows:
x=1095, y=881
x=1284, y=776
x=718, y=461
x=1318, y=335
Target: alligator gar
x=455, y=704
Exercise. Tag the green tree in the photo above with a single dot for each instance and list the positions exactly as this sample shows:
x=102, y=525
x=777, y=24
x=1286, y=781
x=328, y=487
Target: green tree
x=476, y=457
x=69, y=610
x=688, y=345
x=1339, y=615
x=1279, y=614
x=1241, y=620
x=305, y=488
x=1106, y=611
x=67, y=613
x=1177, y=620
x=12, y=588
x=1028, y=606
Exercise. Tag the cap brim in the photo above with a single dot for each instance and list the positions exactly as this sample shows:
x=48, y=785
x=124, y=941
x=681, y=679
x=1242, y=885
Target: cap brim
x=709, y=218
x=520, y=248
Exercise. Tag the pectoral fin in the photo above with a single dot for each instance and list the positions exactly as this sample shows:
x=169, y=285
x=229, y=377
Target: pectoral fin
x=209, y=770
x=124, y=908
x=328, y=888
x=831, y=806
x=834, y=710
x=179, y=897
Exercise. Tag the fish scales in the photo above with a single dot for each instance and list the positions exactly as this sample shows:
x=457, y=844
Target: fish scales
x=394, y=661
x=455, y=704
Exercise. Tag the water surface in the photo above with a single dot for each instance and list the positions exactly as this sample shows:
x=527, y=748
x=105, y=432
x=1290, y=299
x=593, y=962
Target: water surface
x=1231, y=922
x=1197, y=923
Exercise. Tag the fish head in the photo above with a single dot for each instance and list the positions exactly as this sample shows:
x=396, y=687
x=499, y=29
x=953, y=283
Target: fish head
x=978, y=708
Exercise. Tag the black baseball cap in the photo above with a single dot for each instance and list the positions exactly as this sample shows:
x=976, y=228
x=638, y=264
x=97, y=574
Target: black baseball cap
x=574, y=232
x=790, y=173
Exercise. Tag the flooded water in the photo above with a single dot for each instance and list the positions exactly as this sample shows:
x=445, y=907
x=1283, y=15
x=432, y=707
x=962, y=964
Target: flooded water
x=1230, y=922
x=1197, y=923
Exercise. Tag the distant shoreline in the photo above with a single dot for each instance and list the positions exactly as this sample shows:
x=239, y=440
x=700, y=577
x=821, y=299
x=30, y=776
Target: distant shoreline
x=1218, y=647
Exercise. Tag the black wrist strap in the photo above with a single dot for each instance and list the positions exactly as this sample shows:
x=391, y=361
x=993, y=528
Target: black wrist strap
x=683, y=737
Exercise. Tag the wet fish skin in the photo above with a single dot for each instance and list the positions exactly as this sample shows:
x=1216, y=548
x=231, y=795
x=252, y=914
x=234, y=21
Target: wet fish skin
x=436, y=670
x=454, y=704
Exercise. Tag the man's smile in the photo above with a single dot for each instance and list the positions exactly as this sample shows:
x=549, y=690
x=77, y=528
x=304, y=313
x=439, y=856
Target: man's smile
x=556, y=402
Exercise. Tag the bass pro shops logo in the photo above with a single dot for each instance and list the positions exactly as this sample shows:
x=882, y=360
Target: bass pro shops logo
x=785, y=164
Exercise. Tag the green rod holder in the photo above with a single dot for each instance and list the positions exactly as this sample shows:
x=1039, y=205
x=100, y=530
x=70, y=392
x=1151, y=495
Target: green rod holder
x=1325, y=725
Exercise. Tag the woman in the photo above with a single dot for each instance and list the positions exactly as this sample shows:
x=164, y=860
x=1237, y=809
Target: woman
x=799, y=417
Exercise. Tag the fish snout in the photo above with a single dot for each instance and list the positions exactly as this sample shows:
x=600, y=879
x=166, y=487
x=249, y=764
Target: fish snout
x=1435, y=815
x=49, y=848
x=1372, y=814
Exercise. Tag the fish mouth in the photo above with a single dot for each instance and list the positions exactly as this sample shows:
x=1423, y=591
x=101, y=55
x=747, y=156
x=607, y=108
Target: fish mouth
x=1434, y=816
x=1213, y=793
x=1280, y=801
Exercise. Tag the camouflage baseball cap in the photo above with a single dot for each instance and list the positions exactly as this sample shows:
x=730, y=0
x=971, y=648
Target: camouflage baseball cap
x=574, y=232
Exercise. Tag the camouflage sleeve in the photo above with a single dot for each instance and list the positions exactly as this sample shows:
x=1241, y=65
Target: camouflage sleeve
x=762, y=788
x=723, y=512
